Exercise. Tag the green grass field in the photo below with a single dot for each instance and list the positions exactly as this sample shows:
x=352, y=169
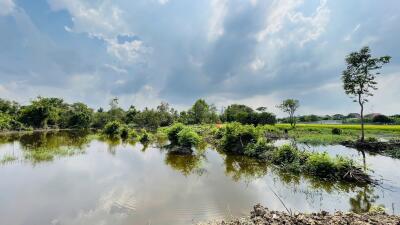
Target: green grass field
x=345, y=126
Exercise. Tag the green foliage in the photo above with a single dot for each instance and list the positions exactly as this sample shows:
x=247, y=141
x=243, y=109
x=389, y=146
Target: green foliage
x=112, y=129
x=42, y=112
x=188, y=138
x=236, y=137
x=290, y=106
x=336, y=131
x=199, y=113
x=321, y=165
x=359, y=77
x=78, y=116
x=246, y=115
x=173, y=132
x=285, y=154
x=145, y=137
x=124, y=130
x=9, y=107
x=258, y=149
x=382, y=119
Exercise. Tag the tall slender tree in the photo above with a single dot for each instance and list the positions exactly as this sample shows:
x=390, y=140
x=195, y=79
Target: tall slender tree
x=359, y=77
x=290, y=106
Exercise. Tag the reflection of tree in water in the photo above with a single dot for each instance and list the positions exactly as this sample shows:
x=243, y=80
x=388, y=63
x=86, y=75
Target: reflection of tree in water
x=241, y=167
x=45, y=146
x=186, y=164
x=363, y=200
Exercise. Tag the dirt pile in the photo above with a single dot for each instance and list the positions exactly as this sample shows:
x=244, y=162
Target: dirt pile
x=262, y=216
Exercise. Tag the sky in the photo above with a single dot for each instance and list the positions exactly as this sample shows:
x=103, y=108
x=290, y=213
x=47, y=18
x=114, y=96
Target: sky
x=254, y=52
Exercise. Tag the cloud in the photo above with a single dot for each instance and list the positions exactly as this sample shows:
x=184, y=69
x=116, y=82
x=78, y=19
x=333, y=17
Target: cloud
x=105, y=22
x=177, y=51
x=218, y=13
x=6, y=7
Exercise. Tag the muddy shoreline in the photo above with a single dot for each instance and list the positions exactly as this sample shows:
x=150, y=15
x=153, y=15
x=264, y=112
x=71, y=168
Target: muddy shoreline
x=263, y=216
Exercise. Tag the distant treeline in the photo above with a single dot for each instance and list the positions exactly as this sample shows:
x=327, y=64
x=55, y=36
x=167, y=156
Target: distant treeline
x=352, y=118
x=47, y=113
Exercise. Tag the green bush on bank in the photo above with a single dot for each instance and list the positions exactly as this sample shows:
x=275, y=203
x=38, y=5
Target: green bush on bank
x=112, y=129
x=173, y=131
x=235, y=137
x=188, y=138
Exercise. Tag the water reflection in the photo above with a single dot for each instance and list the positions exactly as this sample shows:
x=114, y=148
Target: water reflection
x=186, y=164
x=141, y=184
x=241, y=167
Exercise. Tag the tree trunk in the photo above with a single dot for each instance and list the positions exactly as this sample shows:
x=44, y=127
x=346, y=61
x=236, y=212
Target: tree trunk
x=362, y=117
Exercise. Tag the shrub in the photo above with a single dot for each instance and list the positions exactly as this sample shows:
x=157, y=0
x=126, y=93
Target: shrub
x=112, y=129
x=285, y=154
x=321, y=165
x=133, y=133
x=336, y=131
x=258, y=149
x=173, y=132
x=145, y=137
x=236, y=137
x=124, y=132
x=188, y=138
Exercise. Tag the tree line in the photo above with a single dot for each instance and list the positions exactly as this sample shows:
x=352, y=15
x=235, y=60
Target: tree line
x=55, y=113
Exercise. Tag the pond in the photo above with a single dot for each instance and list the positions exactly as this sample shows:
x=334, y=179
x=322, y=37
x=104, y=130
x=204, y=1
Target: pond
x=77, y=178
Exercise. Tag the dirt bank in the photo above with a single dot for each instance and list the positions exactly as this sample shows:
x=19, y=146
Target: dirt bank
x=262, y=216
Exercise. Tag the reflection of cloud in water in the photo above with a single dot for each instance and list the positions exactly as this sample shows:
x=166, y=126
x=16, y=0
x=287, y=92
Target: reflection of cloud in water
x=112, y=208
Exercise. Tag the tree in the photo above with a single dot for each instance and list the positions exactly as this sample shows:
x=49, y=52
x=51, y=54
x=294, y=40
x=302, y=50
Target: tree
x=290, y=106
x=201, y=112
x=359, y=77
x=79, y=116
x=43, y=112
x=238, y=113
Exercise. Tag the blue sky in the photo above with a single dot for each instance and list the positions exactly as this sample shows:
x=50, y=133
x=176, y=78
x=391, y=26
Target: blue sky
x=244, y=51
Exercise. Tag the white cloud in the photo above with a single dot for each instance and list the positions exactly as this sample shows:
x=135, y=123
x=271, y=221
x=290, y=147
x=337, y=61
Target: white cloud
x=216, y=22
x=6, y=7
x=277, y=15
x=105, y=22
x=306, y=28
x=129, y=51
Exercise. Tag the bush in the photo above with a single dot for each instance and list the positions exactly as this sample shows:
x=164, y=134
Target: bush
x=112, y=129
x=336, y=131
x=133, y=133
x=382, y=119
x=188, y=138
x=145, y=137
x=258, y=149
x=321, y=165
x=285, y=154
x=124, y=132
x=236, y=137
x=173, y=132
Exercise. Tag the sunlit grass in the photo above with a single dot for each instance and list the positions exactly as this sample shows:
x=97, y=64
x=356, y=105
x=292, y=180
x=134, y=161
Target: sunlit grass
x=345, y=126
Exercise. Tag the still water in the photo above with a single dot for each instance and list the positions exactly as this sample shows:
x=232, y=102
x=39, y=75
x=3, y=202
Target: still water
x=74, y=178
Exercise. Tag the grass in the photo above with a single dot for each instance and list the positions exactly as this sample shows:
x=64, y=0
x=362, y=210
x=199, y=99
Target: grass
x=395, y=128
x=48, y=154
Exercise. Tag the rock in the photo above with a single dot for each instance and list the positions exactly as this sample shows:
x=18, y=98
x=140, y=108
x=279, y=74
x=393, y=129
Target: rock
x=262, y=216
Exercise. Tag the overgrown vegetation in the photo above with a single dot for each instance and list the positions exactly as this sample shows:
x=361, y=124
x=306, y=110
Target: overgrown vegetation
x=250, y=141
